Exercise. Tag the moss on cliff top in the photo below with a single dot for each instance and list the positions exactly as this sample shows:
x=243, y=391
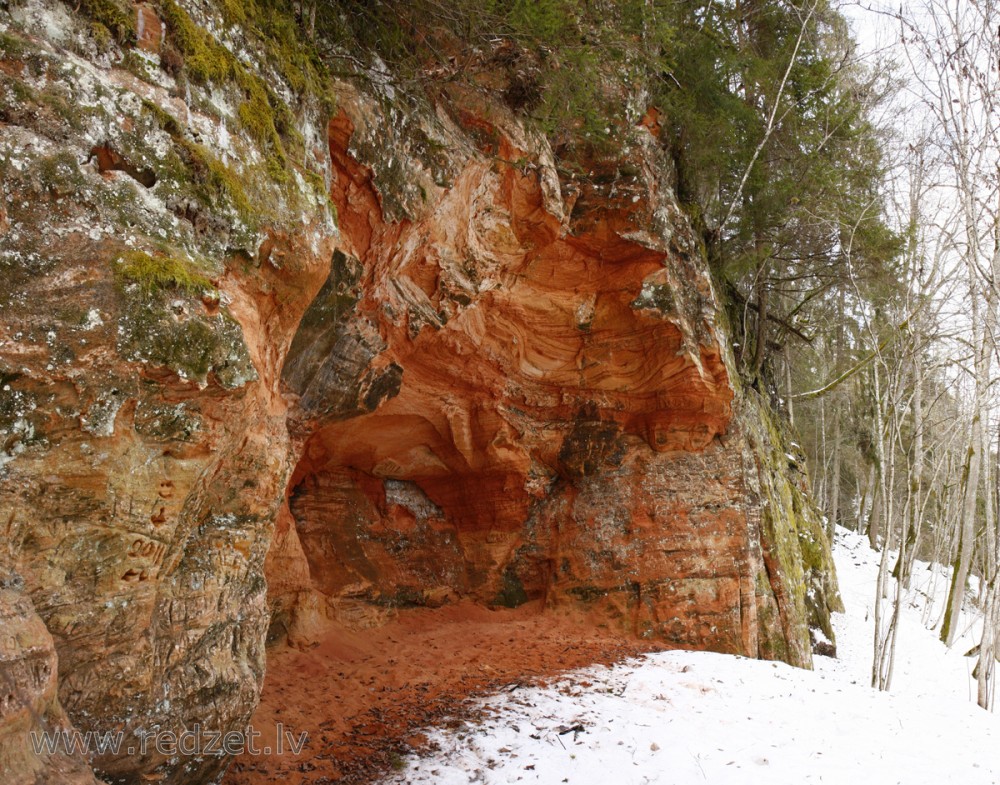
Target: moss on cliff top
x=205, y=59
x=276, y=60
x=265, y=115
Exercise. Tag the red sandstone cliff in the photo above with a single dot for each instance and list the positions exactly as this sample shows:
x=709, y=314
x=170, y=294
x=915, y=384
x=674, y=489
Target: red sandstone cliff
x=221, y=415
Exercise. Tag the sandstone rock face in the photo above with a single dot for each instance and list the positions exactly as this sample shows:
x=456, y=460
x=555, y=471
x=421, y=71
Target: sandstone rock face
x=489, y=381
x=517, y=391
x=144, y=444
x=31, y=719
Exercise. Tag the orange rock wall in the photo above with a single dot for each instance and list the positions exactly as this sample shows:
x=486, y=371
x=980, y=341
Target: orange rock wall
x=511, y=395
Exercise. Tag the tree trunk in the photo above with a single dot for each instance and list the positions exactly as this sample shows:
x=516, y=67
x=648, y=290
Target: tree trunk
x=834, y=491
x=963, y=558
x=876, y=511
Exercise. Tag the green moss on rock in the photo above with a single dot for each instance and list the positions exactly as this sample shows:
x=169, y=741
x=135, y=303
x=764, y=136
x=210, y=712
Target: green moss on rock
x=116, y=16
x=194, y=346
x=192, y=167
x=153, y=273
x=205, y=59
x=12, y=47
x=799, y=564
x=60, y=173
x=264, y=116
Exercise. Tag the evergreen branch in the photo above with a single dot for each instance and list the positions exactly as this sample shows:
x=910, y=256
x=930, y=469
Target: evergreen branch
x=769, y=128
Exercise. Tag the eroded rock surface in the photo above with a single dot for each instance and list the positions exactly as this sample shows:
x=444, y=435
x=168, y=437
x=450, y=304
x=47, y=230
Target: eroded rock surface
x=142, y=430
x=32, y=722
x=516, y=389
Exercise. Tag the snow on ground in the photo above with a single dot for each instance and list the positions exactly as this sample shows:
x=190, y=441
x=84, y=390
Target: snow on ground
x=695, y=717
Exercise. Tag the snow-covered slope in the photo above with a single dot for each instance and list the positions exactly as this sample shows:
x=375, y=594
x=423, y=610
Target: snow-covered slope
x=690, y=717
x=924, y=666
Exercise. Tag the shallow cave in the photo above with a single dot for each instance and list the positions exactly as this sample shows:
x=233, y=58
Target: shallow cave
x=506, y=463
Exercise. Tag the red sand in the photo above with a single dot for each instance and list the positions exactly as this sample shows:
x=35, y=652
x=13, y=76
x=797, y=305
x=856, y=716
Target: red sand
x=363, y=697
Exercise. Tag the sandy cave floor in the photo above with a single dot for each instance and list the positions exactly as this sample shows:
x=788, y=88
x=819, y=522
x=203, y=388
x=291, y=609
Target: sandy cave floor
x=364, y=697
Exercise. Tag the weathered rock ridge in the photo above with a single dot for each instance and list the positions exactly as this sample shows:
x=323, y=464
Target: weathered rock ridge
x=233, y=410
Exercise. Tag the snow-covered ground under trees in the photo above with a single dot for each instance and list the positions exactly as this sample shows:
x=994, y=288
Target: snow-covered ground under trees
x=691, y=717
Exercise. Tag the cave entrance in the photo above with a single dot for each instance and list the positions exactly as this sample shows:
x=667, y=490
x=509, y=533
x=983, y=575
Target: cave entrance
x=404, y=496
x=352, y=550
x=390, y=609
x=469, y=455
